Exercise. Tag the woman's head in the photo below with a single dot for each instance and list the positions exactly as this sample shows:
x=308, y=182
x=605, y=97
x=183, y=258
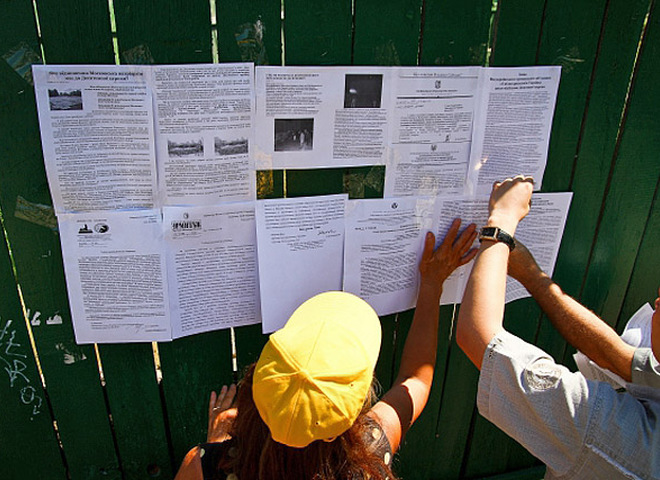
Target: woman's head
x=313, y=375
x=302, y=407
x=350, y=456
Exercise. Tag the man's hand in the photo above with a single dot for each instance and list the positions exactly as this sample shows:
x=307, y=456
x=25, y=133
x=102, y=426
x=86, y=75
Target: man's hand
x=453, y=252
x=522, y=265
x=221, y=414
x=509, y=202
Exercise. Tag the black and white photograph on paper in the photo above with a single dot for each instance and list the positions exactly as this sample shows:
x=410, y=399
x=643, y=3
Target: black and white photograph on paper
x=65, y=100
x=294, y=134
x=193, y=147
x=237, y=146
x=363, y=91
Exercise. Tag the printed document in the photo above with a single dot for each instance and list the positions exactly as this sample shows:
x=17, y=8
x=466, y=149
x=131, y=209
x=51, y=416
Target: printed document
x=212, y=266
x=511, y=131
x=384, y=239
x=300, y=247
x=102, y=151
x=116, y=276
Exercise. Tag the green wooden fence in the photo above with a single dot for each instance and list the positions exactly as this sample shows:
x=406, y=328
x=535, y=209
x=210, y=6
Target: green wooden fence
x=132, y=411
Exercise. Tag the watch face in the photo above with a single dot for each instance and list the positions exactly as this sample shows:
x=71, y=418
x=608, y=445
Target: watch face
x=488, y=232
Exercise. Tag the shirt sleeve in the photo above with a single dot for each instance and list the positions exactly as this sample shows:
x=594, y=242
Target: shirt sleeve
x=541, y=404
x=645, y=368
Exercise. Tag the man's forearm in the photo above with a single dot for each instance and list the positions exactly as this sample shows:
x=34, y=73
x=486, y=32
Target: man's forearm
x=580, y=326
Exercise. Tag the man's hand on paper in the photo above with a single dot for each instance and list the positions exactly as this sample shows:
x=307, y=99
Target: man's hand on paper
x=453, y=252
x=509, y=202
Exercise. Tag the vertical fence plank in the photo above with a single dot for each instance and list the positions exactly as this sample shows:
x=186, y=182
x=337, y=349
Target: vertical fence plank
x=150, y=33
x=516, y=32
x=644, y=283
x=25, y=424
x=632, y=189
x=75, y=31
x=445, y=421
x=176, y=31
x=456, y=32
x=251, y=33
x=317, y=32
x=70, y=370
x=571, y=31
x=622, y=28
x=387, y=32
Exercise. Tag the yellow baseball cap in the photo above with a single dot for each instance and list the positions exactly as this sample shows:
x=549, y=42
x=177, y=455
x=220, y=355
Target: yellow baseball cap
x=313, y=375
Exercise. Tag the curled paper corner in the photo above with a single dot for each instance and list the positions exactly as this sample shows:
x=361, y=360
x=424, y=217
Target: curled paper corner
x=36, y=213
x=20, y=58
x=249, y=39
x=138, y=55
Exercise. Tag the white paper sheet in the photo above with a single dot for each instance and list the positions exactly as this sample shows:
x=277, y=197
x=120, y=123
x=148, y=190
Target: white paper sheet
x=101, y=149
x=97, y=135
x=116, y=276
x=321, y=116
x=300, y=249
x=204, y=118
x=541, y=232
x=512, y=125
x=212, y=265
x=384, y=241
x=432, y=122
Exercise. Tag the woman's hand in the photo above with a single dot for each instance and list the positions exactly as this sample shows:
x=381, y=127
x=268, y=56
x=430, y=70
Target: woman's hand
x=221, y=414
x=453, y=252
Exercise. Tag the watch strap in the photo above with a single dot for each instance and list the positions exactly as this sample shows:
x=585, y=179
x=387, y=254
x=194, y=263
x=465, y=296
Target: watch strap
x=496, y=234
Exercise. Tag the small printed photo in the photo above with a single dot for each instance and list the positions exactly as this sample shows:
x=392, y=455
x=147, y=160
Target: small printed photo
x=238, y=146
x=293, y=134
x=363, y=91
x=193, y=147
x=65, y=100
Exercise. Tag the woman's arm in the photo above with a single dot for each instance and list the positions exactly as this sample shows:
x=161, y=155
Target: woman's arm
x=403, y=403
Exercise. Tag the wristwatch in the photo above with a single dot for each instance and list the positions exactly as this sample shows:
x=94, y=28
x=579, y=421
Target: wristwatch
x=496, y=234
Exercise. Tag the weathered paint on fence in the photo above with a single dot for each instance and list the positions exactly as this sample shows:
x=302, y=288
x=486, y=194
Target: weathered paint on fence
x=131, y=425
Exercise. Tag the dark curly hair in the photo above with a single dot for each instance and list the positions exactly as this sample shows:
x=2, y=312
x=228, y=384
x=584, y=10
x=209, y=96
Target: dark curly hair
x=351, y=456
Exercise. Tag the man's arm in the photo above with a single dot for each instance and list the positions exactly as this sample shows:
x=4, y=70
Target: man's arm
x=482, y=310
x=403, y=403
x=578, y=325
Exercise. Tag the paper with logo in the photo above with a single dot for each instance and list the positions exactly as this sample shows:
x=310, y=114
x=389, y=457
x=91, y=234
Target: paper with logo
x=212, y=265
x=116, y=276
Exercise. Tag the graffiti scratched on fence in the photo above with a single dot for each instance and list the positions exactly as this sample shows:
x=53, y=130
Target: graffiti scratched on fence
x=13, y=356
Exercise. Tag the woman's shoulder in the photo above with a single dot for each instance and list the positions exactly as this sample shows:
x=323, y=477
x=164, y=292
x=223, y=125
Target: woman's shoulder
x=211, y=454
x=377, y=440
